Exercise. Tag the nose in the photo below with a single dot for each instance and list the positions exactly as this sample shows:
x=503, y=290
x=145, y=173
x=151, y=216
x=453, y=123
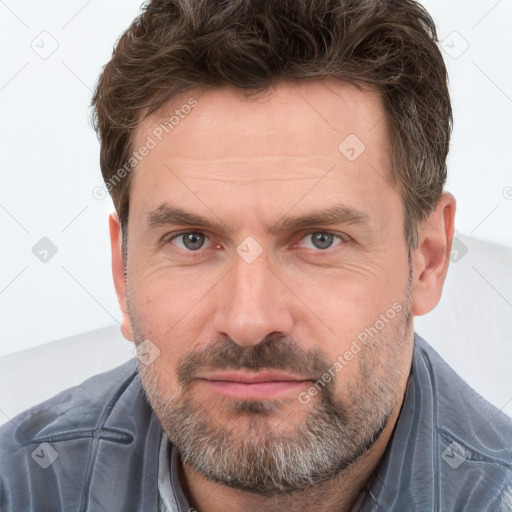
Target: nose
x=252, y=303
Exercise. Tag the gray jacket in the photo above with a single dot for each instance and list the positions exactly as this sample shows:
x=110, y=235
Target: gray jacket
x=95, y=448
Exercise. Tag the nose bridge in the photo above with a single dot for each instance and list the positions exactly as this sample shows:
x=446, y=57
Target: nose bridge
x=251, y=282
x=251, y=304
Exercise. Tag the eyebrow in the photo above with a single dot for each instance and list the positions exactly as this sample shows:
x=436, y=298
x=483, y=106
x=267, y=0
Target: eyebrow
x=339, y=214
x=167, y=214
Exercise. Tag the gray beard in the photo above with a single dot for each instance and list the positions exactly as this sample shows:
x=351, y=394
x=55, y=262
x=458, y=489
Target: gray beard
x=258, y=458
x=261, y=461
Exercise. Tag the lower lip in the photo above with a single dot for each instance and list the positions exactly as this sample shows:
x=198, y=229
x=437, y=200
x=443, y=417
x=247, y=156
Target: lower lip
x=256, y=390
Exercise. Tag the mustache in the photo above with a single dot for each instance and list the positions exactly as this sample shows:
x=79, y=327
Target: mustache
x=273, y=353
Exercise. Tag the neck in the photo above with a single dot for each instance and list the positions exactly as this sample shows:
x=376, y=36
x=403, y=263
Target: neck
x=337, y=495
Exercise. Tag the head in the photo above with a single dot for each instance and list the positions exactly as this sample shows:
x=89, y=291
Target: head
x=277, y=168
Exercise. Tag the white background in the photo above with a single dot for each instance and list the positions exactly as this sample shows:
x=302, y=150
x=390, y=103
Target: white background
x=50, y=154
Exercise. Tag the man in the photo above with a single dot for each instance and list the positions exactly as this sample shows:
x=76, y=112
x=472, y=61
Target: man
x=277, y=169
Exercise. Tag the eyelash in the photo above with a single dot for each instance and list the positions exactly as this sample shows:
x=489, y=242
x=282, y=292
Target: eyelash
x=319, y=252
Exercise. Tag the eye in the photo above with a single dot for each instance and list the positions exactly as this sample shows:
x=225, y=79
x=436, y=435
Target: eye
x=189, y=241
x=321, y=240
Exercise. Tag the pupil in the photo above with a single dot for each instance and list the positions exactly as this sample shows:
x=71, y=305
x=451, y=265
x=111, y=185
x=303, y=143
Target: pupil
x=193, y=241
x=322, y=240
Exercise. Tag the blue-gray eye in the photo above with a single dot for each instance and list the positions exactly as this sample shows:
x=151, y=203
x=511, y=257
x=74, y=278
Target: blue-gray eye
x=192, y=240
x=321, y=239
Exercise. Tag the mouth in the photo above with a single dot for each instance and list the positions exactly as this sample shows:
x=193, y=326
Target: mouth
x=263, y=385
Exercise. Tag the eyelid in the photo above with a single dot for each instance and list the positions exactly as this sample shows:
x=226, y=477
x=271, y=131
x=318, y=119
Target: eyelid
x=167, y=239
x=328, y=231
x=342, y=236
x=170, y=237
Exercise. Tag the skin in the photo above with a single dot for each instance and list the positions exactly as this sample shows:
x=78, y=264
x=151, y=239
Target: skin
x=248, y=164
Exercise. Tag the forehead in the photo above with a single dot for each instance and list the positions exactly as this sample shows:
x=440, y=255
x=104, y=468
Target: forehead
x=326, y=131
x=285, y=117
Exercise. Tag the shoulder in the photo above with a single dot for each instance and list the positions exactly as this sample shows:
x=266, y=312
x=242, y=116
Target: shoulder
x=474, y=438
x=46, y=451
x=79, y=405
x=462, y=412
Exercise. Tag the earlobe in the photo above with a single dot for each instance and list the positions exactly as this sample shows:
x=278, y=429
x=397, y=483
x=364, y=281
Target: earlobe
x=431, y=259
x=118, y=274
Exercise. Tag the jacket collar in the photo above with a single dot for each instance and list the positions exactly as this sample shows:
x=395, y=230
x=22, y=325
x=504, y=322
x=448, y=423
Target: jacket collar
x=405, y=478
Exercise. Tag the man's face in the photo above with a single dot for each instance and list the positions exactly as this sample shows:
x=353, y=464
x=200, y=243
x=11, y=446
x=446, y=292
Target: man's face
x=269, y=298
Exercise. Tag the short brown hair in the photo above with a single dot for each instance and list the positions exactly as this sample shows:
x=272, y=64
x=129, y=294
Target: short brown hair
x=177, y=45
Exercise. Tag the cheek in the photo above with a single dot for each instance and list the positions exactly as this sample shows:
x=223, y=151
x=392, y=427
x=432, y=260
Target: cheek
x=167, y=309
x=165, y=295
x=341, y=302
x=347, y=317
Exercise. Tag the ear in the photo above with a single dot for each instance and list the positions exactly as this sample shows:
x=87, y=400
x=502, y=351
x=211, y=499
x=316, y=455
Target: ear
x=431, y=259
x=116, y=238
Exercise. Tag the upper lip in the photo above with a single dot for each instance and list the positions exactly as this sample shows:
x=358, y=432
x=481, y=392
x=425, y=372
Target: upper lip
x=253, y=377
